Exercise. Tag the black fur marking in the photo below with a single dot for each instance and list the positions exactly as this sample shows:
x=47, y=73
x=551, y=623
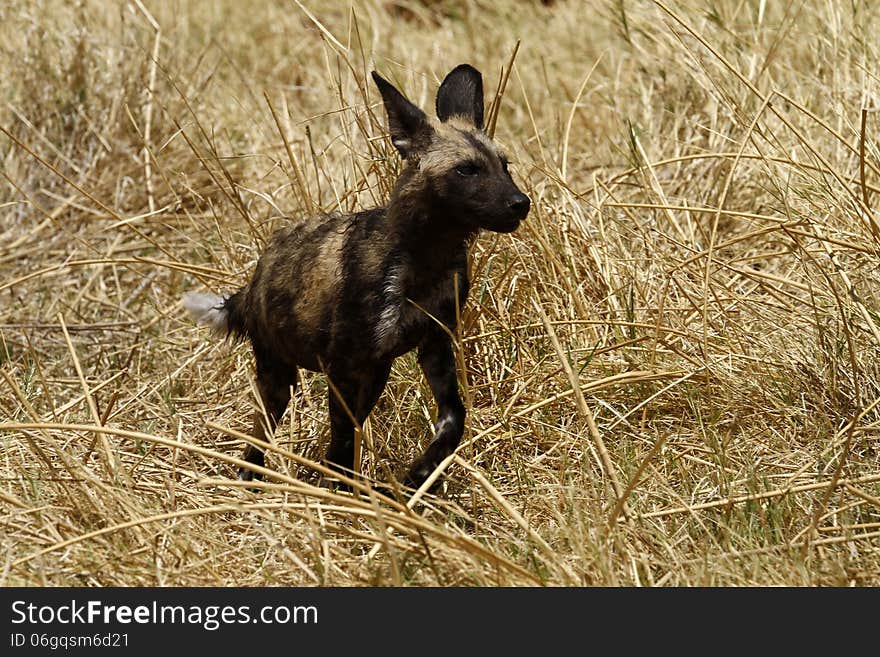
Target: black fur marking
x=461, y=94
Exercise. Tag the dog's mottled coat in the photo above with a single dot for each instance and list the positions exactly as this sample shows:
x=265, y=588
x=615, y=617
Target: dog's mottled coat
x=348, y=293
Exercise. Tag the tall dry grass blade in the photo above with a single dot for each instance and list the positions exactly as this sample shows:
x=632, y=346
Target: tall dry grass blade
x=605, y=461
x=495, y=106
x=302, y=188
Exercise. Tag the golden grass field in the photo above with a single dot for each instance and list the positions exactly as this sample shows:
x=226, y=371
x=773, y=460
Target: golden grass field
x=670, y=369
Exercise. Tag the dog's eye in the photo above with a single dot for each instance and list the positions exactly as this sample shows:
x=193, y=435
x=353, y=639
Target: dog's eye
x=467, y=169
x=504, y=164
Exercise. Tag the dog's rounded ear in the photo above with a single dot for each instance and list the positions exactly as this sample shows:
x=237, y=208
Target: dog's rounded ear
x=407, y=124
x=461, y=94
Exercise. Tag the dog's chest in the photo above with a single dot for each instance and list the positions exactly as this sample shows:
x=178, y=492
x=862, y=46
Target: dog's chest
x=408, y=310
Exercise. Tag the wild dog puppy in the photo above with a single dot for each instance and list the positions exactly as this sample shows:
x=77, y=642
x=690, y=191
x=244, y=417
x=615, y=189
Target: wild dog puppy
x=346, y=294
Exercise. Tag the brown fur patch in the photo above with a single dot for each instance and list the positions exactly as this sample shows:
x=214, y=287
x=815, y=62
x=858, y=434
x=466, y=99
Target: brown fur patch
x=452, y=144
x=320, y=281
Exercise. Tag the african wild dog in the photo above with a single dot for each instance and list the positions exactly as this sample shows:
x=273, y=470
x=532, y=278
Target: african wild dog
x=347, y=294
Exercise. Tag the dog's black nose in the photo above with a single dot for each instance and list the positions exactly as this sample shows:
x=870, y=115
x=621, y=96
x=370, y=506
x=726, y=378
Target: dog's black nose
x=519, y=204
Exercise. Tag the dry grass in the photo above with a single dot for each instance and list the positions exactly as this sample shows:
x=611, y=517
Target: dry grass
x=671, y=369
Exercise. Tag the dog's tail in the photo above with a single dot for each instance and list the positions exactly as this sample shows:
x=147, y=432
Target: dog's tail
x=221, y=314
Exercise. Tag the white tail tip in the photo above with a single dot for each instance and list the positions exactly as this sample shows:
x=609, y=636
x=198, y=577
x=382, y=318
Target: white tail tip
x=207, y=310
